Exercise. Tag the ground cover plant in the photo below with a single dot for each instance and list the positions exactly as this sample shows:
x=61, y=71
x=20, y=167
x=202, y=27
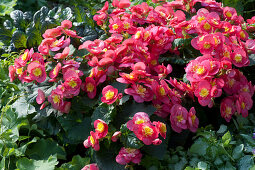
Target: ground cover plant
x=125, y=91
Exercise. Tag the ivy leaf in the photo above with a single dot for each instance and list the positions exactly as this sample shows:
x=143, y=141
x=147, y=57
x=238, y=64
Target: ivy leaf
x=45, y=148
x=30, y=164
x=19, y=39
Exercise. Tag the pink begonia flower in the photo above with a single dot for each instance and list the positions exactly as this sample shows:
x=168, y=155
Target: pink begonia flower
x=161, y=128
x=90, y=167
x=110, y=94
x=101, y=128
x=139, y=118
x=244, y=103
x=90, y=87
x=116, y=136
x=62, y=55
x=56, y=98
x=54, y=73
x=192, y=120
x=178, y=118
x=139, y=93
x=52, y=33
x=146, y=132
x=40, y=97
x=37, y=72
x=127, y=155
x=66, y=24
x=227, y=108
x=92, y=141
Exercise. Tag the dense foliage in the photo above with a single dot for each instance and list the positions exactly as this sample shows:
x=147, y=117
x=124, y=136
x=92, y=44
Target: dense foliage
x=133, y=87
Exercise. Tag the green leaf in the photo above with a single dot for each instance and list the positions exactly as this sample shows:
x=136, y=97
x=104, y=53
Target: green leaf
x=34, y=37
x=19, y=39
x=157, y=151
x=245, y=162
x=106, y=158
x=45, y=148
x=30, y=164
x=252, y=59
x=181, y=164
x=80, y=53
x=23, y=108
x=104, y=112
x=238, y=5
x=131, y=141
x=202, y=165
x=248, y=139
x=237, y=152
x=18, y=19
x=6, y=7
x=199, y=147
x=77, y=163
x=222, y=129
x=77, y=128
x=5, y=36
x=226, y=138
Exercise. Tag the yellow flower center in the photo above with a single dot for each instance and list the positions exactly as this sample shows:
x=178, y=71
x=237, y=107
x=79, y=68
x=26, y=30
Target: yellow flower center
x=141, y=90
x=109, y=95
x=231, y=82
x=243, y=105
x=228, y=14
x=92, y=140
x=126, y=25
x=90, y=87
x=37, y=72
x=242, y=34
x=139, y=121
x=146, y=35
x=228, y=110
x=226, y=54
x=238, y=58
x=147, y=131
x=200, y=70
x=179, y=118
x=207, y=45
x=200, y=19
x=100, y=127
x=55, y=43
x=162, y=91
x=130, y=150
x=24, y=56
x=19, y=70
x=207, y=26
x=154, y=62
x=163, y=128
x=204, y=92
x=138, y=34
x=226, y=29
x=193, y=118
x=56, y=98
x=72, y=83
x=115, y=26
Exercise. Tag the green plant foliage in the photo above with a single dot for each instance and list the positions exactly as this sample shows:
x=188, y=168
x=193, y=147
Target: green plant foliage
x=6, y=7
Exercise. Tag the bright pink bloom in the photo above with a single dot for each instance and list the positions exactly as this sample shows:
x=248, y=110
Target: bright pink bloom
x=240, y=58
x=192, y=120
x=139, y=93
x=92, y=141
x=139, y=118
x=72, y=83
x=65, y=108
x=127, y=155
x=56, y=99
x=101, y=128
x=116, y=136
x=36, y=72
x=146, y=132
x=40, y=97
x=178, y=118
x=229, y=12
x=12, y=71
x=52, y=33
x=54, y=73
x=62, y=55
x=24, y=58
x=90, y=167
x=66, y=24
x=90, y=87
x=110, y=94
x=244, y=103
x=121, y=3
x=203, y=92
x=161, y=128
x=227, y=108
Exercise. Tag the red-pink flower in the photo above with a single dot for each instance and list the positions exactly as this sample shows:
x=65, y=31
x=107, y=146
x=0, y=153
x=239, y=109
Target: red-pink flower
x=178, y=118
x=36, y=72
x=62, y=55
x=72, y=83
x=101, y=128
x=54, y=73
x=227, y=108
x=66, y=24
x=110, y=94
x=139, y=93
x=12, y=72
x=127, y=155
x=56, y=99
x=203, y=92
x=139, y=118
x=244, y=103
x=40, y=97
x=52, y=33
x=161, y=128
x=92, y=141
x=192, y=120
x=90, y=87
x=24, y=58
x=90, y=167
x=116, y=136
x=146, y=132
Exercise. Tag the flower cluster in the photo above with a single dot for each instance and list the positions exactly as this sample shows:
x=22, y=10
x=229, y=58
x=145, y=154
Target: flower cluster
x=101, y=131
x=127, y=155
x=145, y=130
